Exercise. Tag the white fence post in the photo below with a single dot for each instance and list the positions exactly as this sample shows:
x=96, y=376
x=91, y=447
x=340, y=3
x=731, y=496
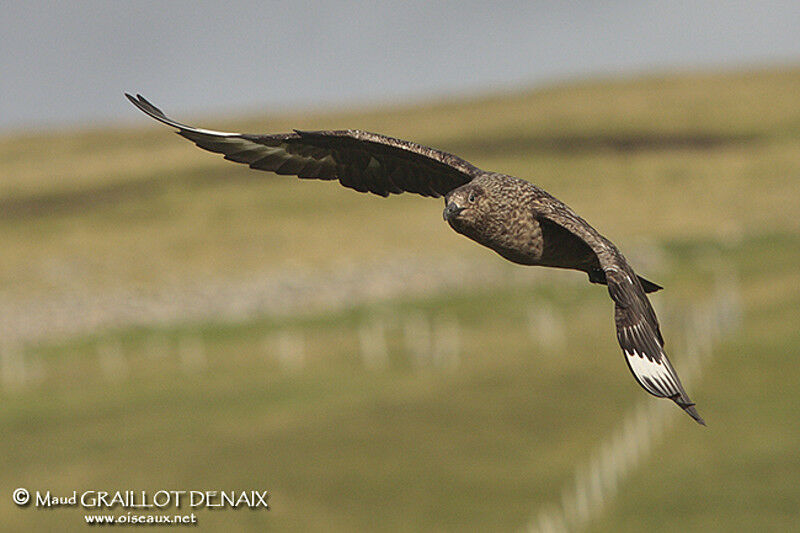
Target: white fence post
x=447, y=343
x=417, y=340
x=545, y=327
x=290, y=349
x=112, y=360
x=372, y=343
x=191, y=353
x=13, y=371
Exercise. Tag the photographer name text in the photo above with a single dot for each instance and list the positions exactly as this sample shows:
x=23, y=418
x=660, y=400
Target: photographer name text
x=130, y=499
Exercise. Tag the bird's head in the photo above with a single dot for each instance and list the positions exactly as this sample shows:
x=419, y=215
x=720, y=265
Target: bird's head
x=464, y=207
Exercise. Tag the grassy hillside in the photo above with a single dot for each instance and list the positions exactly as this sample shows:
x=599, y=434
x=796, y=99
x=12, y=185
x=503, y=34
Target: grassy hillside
x=693, y=174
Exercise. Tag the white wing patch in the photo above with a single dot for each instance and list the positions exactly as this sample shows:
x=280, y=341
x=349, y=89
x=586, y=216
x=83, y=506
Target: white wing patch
x=233, y=146
x=212, y=132
x=652, y=374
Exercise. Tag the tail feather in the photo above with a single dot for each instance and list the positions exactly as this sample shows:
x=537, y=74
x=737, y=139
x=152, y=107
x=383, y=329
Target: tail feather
x=597, y=275
x=649, y=286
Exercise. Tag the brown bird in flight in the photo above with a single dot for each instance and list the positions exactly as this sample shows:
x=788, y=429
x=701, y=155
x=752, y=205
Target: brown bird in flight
x=513, y=217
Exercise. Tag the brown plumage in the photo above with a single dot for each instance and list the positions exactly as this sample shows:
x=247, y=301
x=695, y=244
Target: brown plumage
x=513, y=217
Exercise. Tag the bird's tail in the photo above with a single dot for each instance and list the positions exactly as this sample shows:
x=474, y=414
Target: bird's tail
x=649, y=286
x=598, y=275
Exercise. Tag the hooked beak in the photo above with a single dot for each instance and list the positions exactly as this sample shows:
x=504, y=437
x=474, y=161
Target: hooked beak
x=451, y=211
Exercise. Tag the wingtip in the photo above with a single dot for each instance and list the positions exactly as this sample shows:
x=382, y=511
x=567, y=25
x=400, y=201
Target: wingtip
x=149, y=109
x=136, y=99
x=692, y=411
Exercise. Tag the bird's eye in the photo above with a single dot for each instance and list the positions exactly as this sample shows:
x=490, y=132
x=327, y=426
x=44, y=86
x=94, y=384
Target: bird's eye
x=471, y=197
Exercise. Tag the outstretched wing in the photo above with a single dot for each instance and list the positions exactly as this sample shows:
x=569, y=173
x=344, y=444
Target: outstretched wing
x=638, y=332
x=366, y=162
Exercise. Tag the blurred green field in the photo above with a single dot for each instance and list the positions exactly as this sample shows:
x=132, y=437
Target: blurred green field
x=702, y=168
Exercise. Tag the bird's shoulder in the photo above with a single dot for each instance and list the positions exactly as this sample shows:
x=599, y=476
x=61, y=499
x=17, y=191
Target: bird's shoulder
x=545, y=206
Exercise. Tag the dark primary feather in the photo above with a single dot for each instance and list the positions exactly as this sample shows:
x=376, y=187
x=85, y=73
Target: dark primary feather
x=639, y=336
x=366, y=162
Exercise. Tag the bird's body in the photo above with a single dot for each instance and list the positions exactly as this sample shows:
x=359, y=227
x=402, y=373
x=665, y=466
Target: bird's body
x=513, y=217
x=511, y=223
x=523, y=223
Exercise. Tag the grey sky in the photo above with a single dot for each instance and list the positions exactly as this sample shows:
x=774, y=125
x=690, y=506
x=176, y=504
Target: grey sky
x=66, y=63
